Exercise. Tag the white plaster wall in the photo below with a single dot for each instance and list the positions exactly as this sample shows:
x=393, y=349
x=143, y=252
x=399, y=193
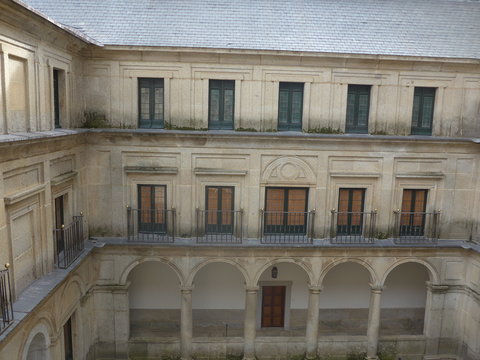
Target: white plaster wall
x=405, y=287
x=218, y=286
x=153, y=285
x=346, y=286
x=298, y=278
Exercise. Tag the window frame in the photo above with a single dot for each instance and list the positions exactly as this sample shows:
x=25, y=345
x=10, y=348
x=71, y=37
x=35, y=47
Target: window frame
x=284, y=228
x=219, y=227
x=422, y=93
x=410, y=229
x=351, y=230
x=56, y=98
x=152, y=84
x=152, y=226
x=223, y=86
x=290, y=88
x=357, y=90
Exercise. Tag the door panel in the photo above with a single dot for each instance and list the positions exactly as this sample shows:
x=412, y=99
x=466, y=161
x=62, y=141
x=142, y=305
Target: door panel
x=273, y=306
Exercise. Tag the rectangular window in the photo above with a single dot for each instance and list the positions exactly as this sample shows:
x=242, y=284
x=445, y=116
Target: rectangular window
x=412, y=220
x=152, y=204
x=422, y=117
x=150, y=103
x=286, y=210
x=358, y=105
x=221, y=104
x=290, y=106
x=56, y=97
x=68, y=340
x=59, y=221
x=350, y=211
x=220, y=207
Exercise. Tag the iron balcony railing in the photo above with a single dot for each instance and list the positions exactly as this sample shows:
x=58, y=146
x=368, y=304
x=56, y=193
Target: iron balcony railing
x=416, y=227
x=352, y=227
x=6, y=301
x=69, y=242
x=151, y=226
x=219, y=226
x=287, y=227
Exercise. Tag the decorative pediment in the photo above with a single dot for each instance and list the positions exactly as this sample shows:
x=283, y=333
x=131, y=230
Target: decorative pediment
x=288, y=170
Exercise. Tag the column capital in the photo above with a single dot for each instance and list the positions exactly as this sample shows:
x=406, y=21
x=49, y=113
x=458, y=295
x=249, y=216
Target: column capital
x=186, y=289
x=376, y=288
x=315, y=289
x=436, y=288
x=252, y=288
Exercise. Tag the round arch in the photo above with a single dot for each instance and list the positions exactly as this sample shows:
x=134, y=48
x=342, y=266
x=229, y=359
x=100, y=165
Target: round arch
x=75, y=284
x=38, y=340
x=432, y=272
x=198, y=267
x=301, y=264
x=363, y=263
x=128, y=269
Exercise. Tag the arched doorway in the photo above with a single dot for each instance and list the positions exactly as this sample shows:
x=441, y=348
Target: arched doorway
x=403, y=300
x=154, y=301
x=282, y=300
x=218, y=301
x=344, y=300
x=38, y=348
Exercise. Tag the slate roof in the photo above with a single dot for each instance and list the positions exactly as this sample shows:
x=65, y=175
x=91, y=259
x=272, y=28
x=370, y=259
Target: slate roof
x=427, y=28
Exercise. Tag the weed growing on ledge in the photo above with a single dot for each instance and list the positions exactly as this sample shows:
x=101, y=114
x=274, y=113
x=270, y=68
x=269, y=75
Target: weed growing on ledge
x=94, y=120
x=353, y=355
x=170, y=126
x=324, y=130
x=387, y=352
x=379, y=133
x=246, y=129
x=381, y=235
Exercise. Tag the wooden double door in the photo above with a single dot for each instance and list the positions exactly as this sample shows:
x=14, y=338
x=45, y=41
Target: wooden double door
x=273, y=306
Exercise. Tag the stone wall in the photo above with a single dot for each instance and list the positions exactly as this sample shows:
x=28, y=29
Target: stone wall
x=257, y=76
x=188, y=162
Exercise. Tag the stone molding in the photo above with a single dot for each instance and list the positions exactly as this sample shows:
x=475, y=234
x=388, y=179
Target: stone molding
x=288, y=169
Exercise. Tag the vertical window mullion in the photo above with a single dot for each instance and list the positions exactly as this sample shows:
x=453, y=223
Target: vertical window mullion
x=290, y=107
x=152, y=103
x=420, y=110
x=219, y=207
x=221, y=110
x=356, y=109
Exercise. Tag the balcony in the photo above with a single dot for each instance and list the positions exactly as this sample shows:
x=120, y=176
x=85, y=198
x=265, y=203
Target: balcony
x=219, y=226
x=69, y=242
x=287, y=227
x=151, y=226
x=224, y=227
x=352, y=227
x=416, y=227
x=6, y=308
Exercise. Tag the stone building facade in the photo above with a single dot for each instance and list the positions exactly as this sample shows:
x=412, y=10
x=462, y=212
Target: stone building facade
x=238, y=202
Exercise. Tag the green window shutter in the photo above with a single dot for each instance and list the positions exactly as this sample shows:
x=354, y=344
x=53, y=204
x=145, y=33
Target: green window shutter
x=358, y=108
x=214, y=105
x=350, y=110
x=150, y=103
x=283, y=107
x=228, y=102
x=423, y=107
x=297, y=109
x=290, y=106
x=416, y=110
x=221, y=107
